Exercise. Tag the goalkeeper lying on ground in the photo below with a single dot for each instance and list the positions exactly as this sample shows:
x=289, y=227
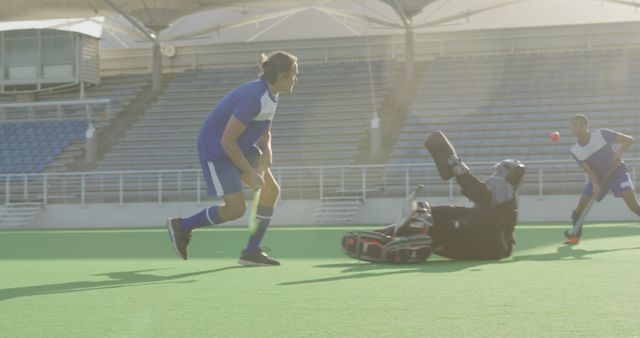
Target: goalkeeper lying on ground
x=484, y=231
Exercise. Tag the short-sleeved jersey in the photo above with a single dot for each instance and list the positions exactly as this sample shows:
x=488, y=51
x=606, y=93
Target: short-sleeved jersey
x=598, y=152
x=252, y=104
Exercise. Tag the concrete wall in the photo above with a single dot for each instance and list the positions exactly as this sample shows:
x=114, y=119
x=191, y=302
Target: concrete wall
x=297, y=212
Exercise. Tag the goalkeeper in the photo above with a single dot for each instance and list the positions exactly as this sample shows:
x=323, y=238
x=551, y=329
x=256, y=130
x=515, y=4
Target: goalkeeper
x=484, y=231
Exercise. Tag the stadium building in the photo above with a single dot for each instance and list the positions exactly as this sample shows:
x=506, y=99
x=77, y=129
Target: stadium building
x=101, y=102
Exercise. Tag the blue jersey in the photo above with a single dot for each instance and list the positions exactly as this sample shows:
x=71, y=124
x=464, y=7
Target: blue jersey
x=252, y=104
x=598, y=152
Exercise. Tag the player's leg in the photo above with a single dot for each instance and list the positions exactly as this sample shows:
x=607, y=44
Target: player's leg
x=583, y=202
x=474, y=189
x=222, y=179
x=587, y=193
x=449, y=165
x=234, y=207
x=444, y=156
x=253, y=254
x=631, y=200
x=271, y=191
x=619, y=184
x=622, y=186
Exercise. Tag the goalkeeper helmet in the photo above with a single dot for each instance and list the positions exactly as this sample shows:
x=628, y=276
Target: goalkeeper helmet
x=511, y=170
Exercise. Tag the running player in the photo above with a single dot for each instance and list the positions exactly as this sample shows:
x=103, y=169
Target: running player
x=234, y=145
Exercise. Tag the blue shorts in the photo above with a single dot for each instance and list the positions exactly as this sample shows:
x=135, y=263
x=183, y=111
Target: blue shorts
x=223, y=177
x=620, y=183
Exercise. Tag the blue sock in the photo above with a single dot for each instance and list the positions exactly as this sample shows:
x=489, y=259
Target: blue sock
x=208, y=216
x=263, y=215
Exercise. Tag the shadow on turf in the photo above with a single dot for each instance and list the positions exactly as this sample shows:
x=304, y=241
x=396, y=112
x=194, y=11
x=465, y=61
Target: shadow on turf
x=564, y=252
x=359, y=269
x=118, y=280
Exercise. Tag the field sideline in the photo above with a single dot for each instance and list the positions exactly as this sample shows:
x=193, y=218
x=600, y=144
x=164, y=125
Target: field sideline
x=129, y=283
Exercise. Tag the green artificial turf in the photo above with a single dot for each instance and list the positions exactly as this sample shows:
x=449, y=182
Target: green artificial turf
x=129, y=283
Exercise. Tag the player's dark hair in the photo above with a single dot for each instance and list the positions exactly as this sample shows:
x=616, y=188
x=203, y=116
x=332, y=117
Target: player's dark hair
x=273, y=64
x=582, y=117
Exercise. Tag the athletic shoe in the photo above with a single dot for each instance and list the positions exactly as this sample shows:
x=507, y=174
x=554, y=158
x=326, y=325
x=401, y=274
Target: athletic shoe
x=256, y=258
x=572, y=240
x=180, y=238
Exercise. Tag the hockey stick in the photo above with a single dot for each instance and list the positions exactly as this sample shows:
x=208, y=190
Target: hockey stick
x=253, y=219
x=407, y=209
x=604, y=189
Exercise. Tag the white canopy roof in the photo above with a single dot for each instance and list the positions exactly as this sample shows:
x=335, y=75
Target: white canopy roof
x=136, y=22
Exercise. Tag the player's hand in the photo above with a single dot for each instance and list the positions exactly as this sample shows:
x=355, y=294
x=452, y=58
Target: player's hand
x=255, y=180
x=266, y=160
x=617, y=159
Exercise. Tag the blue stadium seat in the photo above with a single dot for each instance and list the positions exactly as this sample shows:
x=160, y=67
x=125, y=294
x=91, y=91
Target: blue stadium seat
x=27, y=147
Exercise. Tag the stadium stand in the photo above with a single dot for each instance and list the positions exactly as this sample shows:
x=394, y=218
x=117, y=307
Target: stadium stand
x=50, y=127
x=27, y=147
x=322, y=123
x=506, y=106
x=120, y=90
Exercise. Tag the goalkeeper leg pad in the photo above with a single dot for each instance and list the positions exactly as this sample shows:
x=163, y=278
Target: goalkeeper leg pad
x=407, y=250
x=443, y=154
x=365, y=245
x=377, y=247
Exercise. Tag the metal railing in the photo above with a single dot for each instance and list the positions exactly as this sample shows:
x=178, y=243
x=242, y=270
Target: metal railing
x=27, y=110
x=367, y=181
